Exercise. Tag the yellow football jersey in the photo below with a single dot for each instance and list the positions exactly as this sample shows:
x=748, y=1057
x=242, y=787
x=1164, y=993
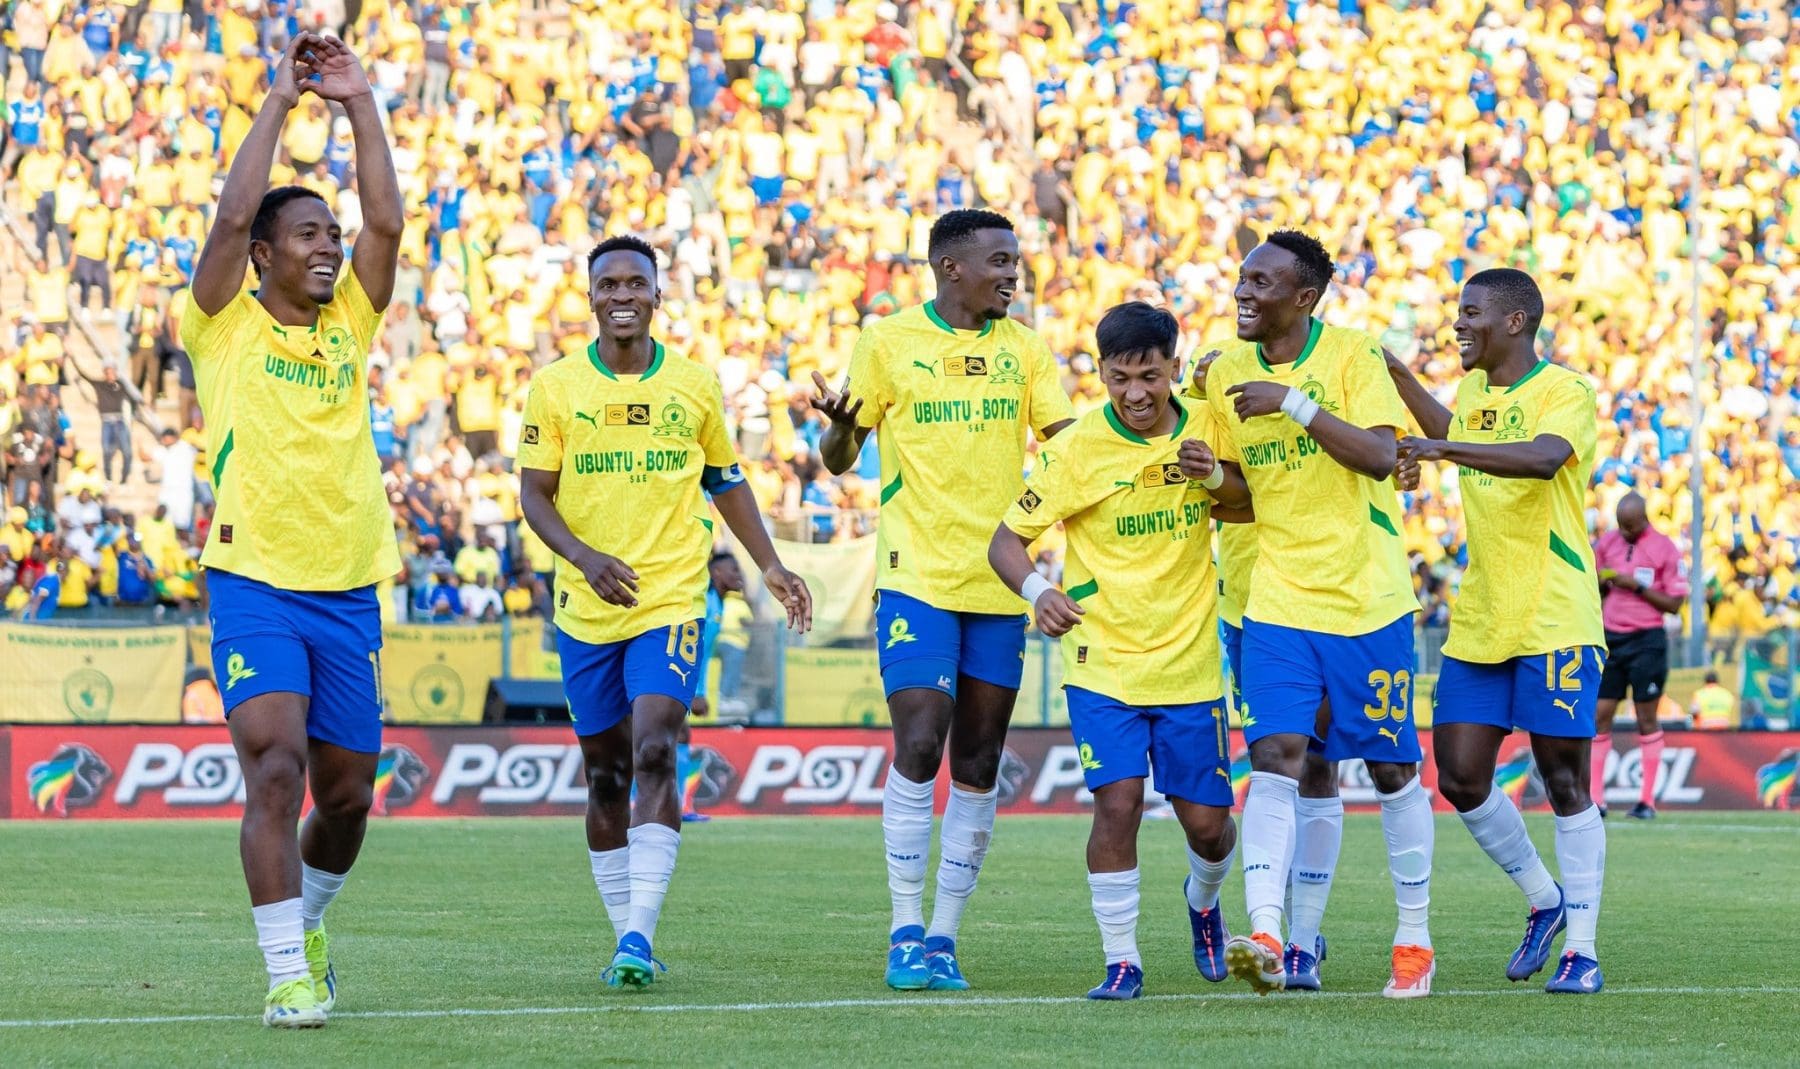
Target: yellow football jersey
x=1530, y=585
x=1139, y=559
x=300, y=500
x=632, y=450
x=1236, y=544
x=1329, y=553
x=950, y=408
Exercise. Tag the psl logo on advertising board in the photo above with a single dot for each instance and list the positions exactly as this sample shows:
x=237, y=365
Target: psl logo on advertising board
x=71, y=778
x=400, y=777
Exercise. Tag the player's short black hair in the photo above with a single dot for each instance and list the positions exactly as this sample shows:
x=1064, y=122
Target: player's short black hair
x=262, y=228
x=1134, y=330
x=1514, y=291
x=1314, y=262
x=623, y=243
x=955, y=228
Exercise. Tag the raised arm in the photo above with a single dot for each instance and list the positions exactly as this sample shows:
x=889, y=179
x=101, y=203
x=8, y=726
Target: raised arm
x=219, y=272
x=376, y=254
x=843, y=439
x=1433, y=417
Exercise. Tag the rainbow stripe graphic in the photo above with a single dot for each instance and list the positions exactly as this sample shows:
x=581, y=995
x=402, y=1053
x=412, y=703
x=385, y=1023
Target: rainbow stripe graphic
x=384, y=779
x=1775, y=781
x=1240, y=776
x=49, y=782
x=1514, y=776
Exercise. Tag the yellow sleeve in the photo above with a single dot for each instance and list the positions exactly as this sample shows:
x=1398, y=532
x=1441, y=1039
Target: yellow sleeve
x=868, y=381
x=1048, y=403
x=202, y=335
x=1370, y=396
x=541, y=437
x=1219, y=412
x=1571, y=414
x=715, y=442
x=1053, y=493
x=364, y=319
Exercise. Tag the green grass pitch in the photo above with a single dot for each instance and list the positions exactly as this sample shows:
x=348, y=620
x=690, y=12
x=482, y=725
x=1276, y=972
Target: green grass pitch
x=480, y=943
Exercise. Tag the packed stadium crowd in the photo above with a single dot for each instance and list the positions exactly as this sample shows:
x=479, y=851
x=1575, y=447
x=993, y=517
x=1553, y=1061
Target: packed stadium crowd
x=787, y=158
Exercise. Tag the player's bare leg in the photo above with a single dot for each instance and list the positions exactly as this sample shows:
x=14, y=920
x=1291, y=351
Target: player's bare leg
x=921, y=720
x=1407, y=825
x=1276, y=762
x=976, y=741
x=1318, y=838
x=269, y=734
x=654, y=836
x=1112, y=864
x=343, y=789
x=607, y=759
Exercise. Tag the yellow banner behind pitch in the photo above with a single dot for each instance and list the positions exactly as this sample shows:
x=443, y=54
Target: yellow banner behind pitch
x=61, y=675
x=841, y=576
x=438, y=675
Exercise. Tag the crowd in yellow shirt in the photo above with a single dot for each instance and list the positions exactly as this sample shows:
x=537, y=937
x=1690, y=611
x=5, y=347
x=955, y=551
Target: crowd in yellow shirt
x=788, y=157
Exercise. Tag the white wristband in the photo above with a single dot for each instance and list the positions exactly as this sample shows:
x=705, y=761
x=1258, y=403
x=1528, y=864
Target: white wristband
x=1216, y=479
x=1035, y=587
x=1299, y=407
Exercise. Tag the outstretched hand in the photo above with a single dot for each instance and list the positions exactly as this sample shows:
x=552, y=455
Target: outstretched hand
x=835, y=404
x=338, y=74
x=294, y=74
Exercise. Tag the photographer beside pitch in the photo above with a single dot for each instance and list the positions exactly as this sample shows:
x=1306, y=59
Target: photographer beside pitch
x=1524, y=651
x=1133, y=484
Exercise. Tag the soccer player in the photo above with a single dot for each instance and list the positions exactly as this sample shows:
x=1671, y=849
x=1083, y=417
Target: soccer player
x=1318, y=810
x=1640, y=580
x=619, y=447
x=1132, y=483
x=1524, y=651
x=953, y=385
x=1309, y=413
x=302, y=532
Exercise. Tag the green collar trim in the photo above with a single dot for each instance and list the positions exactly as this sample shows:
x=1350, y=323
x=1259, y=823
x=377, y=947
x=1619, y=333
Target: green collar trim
x=1312, y=342
x=1125, y=432
x=931, y=313
x=656, y=361
x=1525, y=378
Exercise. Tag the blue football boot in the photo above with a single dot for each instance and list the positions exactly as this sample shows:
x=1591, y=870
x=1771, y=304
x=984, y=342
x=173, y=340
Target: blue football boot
x=1576, y=974
x=940, y=962
x=1209, y=940
x=906, y=968
x=1541, y=929
x=1123, y=981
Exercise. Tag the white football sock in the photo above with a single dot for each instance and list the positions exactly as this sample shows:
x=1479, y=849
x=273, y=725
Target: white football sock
x=612, y=878
x=1318, y=835
x=1115, y=897
x=282, y=940
x=1581, y=855
x=652, y=861
x=962, y=846
x=1205, y=878
x=906, y=833
x=1406, y=824
x=1268, y=848
x=317, y=889
x=1499, y=829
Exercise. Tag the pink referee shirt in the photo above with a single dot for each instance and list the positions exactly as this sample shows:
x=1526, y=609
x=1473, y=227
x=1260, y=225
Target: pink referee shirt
x=1654, y=562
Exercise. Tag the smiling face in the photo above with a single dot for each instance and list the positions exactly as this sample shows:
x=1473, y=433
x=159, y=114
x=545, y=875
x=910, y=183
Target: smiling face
x=984, y=271
x=1270, y=296
x=305, y=253
x=623, y=294
x=1139, y=385
x=1480, y=327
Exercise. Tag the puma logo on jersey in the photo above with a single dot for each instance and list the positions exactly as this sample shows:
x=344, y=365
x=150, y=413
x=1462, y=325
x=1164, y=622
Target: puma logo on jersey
x=1390, y=734
x=1125, y=484
x=1567, y=707
x=932, y=368
x=590, y=419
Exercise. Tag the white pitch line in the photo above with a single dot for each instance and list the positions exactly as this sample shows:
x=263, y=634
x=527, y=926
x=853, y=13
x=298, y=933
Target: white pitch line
x=900, y=1003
